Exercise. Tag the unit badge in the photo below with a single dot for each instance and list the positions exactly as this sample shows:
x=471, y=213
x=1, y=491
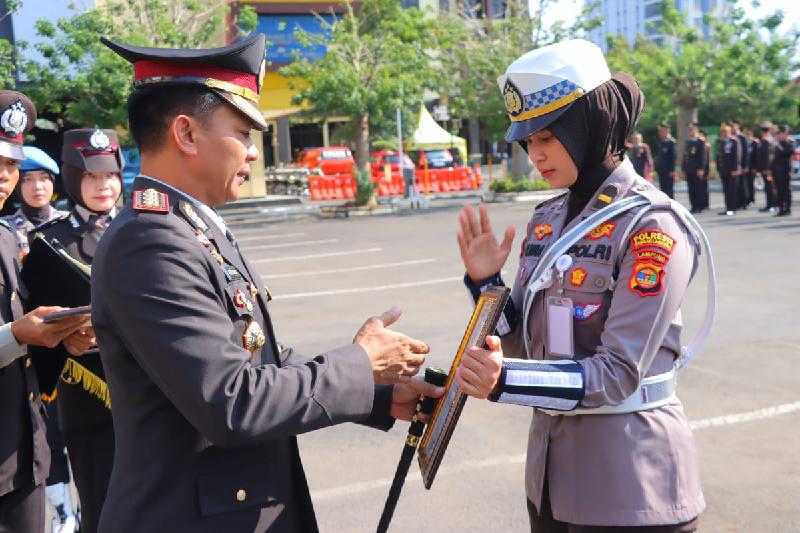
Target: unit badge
x=585, y=311
x=647, y=278
x=14, y=119
x=603, y=230
x=512, y=98
x=542, y=230
x=253, y=337
x=150, y=200
x=653, y=237
x=577, y=277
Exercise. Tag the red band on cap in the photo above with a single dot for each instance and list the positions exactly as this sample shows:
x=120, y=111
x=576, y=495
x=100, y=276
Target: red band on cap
x=88, y=149
x=154, y=69
x=18, y=138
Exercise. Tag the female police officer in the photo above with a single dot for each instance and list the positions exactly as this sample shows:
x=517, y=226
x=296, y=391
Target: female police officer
x=610, y=446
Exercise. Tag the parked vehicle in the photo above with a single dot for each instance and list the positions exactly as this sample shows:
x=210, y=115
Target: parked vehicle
x=131, y=170
x=327, y=161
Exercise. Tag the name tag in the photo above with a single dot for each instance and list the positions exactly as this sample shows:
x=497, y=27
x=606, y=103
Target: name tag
x=559, y=327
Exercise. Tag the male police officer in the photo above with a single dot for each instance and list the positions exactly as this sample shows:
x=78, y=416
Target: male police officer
x=764, y=159
x=24, y=456
x=206, y=404
x=693, y=166
x=782, y=170
x=665, y=160
x=729, y=167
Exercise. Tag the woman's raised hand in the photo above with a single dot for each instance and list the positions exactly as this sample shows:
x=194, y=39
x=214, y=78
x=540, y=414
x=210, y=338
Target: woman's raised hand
x=483, y=257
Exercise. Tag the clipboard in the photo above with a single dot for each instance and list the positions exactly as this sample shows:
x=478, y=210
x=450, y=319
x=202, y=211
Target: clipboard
x=439, y=430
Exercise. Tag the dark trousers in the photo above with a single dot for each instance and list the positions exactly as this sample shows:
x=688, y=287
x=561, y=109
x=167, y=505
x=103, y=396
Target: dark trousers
x=730, y=188
x=59, y=464
x=695, y=185
x=769, y=192
x=22, y=510
x=783, y=189
x=91, y=453
x=545, y=523
x=749, y=187
x=666, y=182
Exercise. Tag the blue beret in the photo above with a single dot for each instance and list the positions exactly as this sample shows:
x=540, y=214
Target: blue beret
x=36, y=159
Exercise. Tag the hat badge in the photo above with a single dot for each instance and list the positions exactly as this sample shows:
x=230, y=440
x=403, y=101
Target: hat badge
x=14, y=119
x=513, y=99
x=99, y=140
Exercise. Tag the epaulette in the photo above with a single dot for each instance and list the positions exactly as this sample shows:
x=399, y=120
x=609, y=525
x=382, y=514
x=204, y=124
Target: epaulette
x=52, y=222
x=606, y=196
x=550, y=201
x=150, y=200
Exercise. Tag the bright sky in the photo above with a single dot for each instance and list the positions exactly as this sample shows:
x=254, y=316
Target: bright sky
x=566, y=9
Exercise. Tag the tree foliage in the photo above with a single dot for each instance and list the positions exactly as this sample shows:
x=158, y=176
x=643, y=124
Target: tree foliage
x=378, y=58
x=8, y=67
x=85, y=83
x=741, y=70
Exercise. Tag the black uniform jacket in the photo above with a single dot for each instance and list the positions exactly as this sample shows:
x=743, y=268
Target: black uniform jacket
x=695, y=157
x=665, y=158
x=782, y=164
x=77, y=409
x=205, y=430
x=766, y=155
x=24, y=455
x=728, y=156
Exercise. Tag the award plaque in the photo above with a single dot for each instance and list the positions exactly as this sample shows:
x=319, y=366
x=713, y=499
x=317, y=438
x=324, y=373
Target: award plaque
x=483, y=322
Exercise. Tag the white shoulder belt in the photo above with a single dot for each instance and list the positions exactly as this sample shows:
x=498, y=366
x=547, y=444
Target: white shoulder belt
x=653, y=391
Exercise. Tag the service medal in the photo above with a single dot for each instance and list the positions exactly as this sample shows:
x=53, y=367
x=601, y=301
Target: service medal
x=253, y=290
x=239, y=299
x=253, y=337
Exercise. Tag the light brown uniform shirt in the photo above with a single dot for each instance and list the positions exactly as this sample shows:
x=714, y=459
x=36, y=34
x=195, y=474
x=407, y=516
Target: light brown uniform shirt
x=615, y=470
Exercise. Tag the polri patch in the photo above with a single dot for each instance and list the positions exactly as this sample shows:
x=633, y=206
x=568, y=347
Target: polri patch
x=585, y=311
x=603, y=230
x=150, y=200
x=542, y=230
x=647, y=278
x=653, y=238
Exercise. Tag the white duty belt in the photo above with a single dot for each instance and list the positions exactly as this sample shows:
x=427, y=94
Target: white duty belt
x=653, y=391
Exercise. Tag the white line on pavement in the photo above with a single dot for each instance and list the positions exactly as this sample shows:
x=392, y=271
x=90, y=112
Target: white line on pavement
x=502, y=460
x=316, y=256
x=366, y=289
x=350, y=269
x=268, y=237
x=289, y=244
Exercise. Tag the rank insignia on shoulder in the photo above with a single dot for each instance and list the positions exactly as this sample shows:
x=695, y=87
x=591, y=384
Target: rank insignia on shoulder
x=150, y=200
x=605, y=197
x=253, y=337
x=189, y=212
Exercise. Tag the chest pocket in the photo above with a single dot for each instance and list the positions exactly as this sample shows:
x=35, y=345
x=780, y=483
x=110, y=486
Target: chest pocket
x=588, y=284
x=240, y=298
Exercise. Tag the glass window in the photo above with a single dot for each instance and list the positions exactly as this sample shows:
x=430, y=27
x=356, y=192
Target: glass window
x=652, y=10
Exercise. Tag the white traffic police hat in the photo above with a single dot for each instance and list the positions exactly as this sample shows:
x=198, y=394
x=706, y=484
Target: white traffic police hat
x=541, y=85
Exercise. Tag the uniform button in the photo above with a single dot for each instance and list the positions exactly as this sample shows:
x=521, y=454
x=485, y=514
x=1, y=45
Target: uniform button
x=600, y=282
x=241, y=495
x=30, y=396
x=13, y=296
x=27, y=362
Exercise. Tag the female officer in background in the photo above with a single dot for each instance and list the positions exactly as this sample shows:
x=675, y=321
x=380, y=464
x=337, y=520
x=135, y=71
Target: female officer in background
x=37, y=177
x=609, y=319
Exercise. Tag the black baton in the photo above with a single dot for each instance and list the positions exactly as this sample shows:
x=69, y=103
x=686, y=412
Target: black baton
x=425, y=405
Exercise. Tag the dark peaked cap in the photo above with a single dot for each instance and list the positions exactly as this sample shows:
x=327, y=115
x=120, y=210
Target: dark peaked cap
x=233, y=72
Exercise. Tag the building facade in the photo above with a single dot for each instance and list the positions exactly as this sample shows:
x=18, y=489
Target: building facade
x=632, y=18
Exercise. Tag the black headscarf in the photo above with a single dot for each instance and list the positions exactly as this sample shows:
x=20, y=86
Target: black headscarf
x=37, y=215
x=593, y=131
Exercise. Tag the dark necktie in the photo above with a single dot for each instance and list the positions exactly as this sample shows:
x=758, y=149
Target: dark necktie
x=95, y=227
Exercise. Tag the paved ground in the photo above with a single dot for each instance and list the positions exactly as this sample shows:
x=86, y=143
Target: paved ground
x=328, y=276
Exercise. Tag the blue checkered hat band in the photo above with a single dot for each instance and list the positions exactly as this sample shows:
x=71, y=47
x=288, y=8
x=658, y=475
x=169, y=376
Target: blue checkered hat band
x=548, y=95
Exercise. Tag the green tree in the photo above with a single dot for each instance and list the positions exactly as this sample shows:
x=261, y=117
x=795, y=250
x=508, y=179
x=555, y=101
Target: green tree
x=8, y=67
x=379, y=57
x=741, y=69
x=85, y=83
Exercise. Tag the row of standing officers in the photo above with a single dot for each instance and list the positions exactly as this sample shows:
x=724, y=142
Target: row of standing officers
x=740, y=159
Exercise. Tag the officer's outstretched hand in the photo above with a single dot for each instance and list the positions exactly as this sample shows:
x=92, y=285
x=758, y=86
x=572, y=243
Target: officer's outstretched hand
x=31, y=329
x=479, y=371
x=405, y=396
x=80, y=341
x=394, y=356
x=483, y=257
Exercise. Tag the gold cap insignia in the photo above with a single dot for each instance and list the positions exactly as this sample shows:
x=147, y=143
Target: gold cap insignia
x=513, y=99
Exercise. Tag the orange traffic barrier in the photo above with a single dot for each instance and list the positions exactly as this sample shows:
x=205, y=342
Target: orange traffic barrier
x=338, y=193
x=313, y=188
x=349, y=187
